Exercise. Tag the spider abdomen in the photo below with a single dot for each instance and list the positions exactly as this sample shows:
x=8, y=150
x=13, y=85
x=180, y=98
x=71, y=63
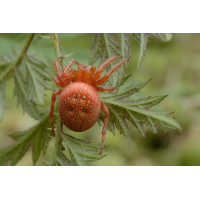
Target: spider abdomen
x=79, y=106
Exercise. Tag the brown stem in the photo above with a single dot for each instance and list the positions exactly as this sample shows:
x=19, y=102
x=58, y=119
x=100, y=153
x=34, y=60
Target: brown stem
x=18, y=60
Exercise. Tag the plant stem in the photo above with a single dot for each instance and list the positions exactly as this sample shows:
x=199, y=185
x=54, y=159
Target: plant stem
x=18, y=60
x=56, y=145
x=56, y=42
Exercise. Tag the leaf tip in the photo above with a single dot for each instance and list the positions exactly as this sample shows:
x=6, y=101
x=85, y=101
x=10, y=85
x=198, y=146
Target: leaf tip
x=46, y=37
x=180, y=130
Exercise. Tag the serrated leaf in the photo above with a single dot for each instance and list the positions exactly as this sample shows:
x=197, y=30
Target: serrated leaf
x=2, y=99
x=61, y=159
x=57, y=157
x=137, y=112
x=147, y=102
x=5, y=61
x=125, y=54
x=128, y=91
x=137, y=37
x=104, y=47
x=58, y=160
x=81, y=152
x=142, y=39
x=36, y=76
x=22, y=98
x=125, y=79
x=38, y=137
x=97, y=48
x=143, y=47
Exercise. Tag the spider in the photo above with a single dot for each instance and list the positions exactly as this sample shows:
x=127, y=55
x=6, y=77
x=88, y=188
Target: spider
x=79, y=103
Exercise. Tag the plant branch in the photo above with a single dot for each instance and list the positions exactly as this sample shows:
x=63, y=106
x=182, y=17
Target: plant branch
x=18, y=60
x=56, y=42
x=56, y=145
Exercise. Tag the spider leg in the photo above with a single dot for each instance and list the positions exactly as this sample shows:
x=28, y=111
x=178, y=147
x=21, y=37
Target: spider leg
x=58, y=69
x=103, y=65
x=66, y=69
x=105, y=88
x=55, y=79
x=53, y=99
x=106, y=110
x=107, y=75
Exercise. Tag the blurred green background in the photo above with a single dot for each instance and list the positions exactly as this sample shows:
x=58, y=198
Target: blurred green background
x=174, y=67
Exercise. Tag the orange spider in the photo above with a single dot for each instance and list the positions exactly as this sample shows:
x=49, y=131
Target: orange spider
x=79, y=103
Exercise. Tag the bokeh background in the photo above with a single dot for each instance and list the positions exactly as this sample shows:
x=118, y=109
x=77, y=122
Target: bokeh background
x=175, y=70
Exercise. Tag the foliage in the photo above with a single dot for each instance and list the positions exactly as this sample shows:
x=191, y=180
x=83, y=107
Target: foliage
x=31, y=83
x=38, y=137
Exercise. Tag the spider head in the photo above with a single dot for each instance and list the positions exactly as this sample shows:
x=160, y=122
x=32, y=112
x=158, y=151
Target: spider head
x=88, y=69
x=85, y=72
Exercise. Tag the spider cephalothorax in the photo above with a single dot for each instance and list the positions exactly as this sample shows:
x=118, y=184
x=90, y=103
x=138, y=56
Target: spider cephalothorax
x=79, y=103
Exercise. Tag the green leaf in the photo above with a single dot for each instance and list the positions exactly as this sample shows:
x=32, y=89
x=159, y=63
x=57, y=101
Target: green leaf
x=61, y=159
x=164, y=37
x=58, y=160
x=137, y=37
x=125, y=79
x=125, y=54
x=143, y=47
x=142, y=39
x=22, y=98
x=97, y=48
x=147, y=103
x=2, y=98
x=36, y=76
x=4, y=64
x=104, y=47
x=128, y=91
x=57, y=157
x=38, y=137
x=137, y=112
x=81, y=152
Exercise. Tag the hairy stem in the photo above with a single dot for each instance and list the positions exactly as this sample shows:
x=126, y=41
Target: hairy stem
x=56, y=42
x=19, y=58
x=56, y=145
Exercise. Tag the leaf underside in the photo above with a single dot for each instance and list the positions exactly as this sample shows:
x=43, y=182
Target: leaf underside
x=81, y=152
x=30, y=90
x=137, y=112
x=36, y=76
x=104, y=47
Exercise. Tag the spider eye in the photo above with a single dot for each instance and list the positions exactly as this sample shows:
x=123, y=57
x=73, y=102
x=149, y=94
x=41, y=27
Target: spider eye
x=84, y=111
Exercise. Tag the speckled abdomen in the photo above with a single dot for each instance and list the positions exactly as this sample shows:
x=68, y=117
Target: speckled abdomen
x=79, y=106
